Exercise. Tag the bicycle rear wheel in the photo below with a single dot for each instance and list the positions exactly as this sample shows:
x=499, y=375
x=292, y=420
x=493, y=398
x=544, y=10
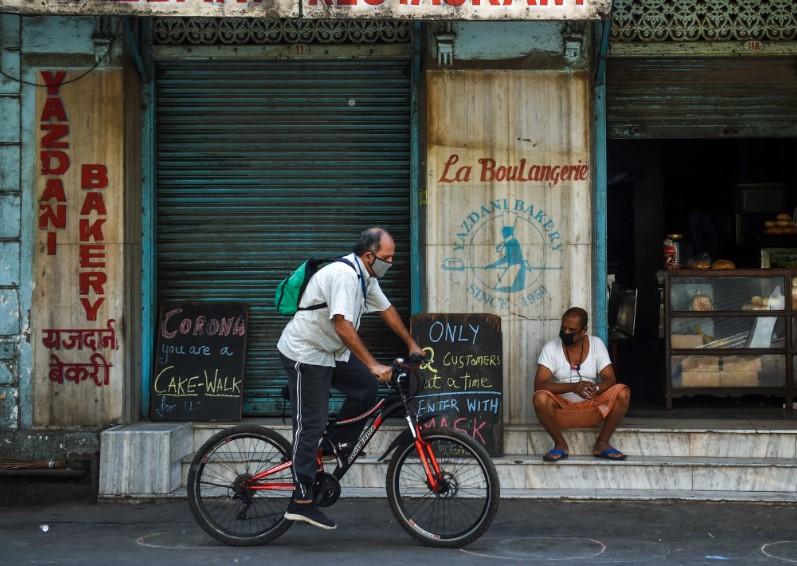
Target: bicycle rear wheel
x=220, y=499
x=465, y=505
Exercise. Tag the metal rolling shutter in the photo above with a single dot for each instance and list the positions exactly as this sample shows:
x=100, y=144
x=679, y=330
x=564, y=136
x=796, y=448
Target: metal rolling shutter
x=262, y=164
x=710, y=97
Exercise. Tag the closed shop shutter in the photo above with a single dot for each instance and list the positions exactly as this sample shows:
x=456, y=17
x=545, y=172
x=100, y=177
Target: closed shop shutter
x=716, y=97
x=263, y=164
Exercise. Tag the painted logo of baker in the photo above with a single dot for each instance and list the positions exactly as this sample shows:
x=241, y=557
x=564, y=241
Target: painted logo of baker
x=529, y=243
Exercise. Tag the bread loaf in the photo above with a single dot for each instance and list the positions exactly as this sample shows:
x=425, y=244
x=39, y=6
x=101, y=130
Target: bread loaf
x=783, y=216
x=723, y=264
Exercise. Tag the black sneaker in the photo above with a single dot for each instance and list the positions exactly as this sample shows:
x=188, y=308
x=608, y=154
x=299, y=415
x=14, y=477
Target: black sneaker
x=310, y=514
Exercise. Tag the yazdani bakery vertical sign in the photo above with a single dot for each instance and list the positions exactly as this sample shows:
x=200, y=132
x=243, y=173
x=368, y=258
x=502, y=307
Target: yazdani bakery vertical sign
x=77, y=316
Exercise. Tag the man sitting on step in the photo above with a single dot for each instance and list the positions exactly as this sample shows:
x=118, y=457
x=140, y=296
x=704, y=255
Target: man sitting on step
x=575, y=387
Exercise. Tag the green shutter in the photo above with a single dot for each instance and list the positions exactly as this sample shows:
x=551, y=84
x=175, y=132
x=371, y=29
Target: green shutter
x=263, y=164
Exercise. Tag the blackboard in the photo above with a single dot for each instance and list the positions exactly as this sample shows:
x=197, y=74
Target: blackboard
x=463, y=375
x=199, y=362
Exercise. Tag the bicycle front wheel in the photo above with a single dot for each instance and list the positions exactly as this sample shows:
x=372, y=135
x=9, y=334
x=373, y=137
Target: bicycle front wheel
x=220, y=491
x=465, y=503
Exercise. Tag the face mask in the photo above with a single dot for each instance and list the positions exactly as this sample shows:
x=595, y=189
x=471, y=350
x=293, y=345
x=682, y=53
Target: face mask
x=380, y=267
x=568, y=339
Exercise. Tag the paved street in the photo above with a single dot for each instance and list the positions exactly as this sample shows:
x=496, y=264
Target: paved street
x=530, y=532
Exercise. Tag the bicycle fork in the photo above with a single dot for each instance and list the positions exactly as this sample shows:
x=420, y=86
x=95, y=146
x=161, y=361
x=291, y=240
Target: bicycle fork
x=429, y=462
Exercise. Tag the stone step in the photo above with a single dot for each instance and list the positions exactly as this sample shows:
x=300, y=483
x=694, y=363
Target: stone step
x=144, y=458
x=701, y=440
x=585, y=475
x=580, y=495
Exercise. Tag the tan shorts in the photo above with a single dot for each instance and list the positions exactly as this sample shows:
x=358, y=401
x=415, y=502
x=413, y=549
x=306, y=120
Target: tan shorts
x=588, y=413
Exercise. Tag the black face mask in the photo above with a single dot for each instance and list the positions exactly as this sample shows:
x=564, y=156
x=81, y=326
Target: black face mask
x=568, y=339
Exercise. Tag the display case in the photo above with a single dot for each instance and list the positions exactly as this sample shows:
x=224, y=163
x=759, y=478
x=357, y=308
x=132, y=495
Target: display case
x=730, y=332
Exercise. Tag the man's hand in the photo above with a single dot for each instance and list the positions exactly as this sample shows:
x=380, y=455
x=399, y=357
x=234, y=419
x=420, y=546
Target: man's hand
x=585, y=389
x=417, y=353
x=381, y=372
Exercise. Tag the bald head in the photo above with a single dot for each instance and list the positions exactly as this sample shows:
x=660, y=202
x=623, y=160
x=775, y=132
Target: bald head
x=372, y=240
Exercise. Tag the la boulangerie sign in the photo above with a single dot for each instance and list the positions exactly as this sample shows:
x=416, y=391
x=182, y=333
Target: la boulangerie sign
x=327, y=9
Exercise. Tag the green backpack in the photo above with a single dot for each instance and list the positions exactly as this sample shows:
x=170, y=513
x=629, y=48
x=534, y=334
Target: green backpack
x=290, y=290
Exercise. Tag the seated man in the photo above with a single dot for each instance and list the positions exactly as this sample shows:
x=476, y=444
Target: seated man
x=575, y=387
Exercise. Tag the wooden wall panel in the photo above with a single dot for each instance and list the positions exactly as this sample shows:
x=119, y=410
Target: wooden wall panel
x=509, y=227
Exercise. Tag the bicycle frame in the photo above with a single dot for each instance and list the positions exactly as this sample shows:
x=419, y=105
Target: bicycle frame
x=383, y=409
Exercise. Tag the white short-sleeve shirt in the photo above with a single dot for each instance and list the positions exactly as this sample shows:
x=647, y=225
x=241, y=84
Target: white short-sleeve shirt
x=310, y=336
x=553, y=357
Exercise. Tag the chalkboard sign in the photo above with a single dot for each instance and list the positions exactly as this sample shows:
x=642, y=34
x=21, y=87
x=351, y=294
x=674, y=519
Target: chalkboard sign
x=199, y=362
x=463, y=377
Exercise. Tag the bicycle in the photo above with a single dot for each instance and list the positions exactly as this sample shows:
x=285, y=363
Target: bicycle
x=442, y=486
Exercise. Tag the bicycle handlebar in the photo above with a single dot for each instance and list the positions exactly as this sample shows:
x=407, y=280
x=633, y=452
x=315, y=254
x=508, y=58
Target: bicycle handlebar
x=402, y=369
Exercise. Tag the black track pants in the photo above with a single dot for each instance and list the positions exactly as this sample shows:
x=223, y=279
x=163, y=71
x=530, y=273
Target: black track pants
x=309, y=391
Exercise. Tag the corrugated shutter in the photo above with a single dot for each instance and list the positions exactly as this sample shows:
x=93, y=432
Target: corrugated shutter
x=263, y=164
x=713, y=97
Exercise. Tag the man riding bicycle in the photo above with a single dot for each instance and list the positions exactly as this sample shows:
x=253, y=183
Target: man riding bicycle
x=315, y=349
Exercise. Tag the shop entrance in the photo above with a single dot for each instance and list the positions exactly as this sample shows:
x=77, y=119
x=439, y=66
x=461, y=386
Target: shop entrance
x=262, y=164
x=724, y=197
x=703, y=147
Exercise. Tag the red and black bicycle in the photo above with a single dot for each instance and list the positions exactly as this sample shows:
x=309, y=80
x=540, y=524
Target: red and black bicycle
x=442, y=486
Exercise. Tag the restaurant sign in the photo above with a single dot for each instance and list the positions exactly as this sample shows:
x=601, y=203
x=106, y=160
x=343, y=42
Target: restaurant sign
x=326, y=9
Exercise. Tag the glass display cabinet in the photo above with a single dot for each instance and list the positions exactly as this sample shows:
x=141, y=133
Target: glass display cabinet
x=730, y=332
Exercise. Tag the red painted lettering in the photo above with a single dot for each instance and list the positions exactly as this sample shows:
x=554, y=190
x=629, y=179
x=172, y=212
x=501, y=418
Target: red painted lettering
x=91, y=308
x=92, y=255
x=54, y=162
x=51, y=241
x=91, y=230
x=488, y=170
x=53, y=82
x=93, y=176
x=49, y=217
x=56, y=131
x=461, y=175
x=54, y=189
x=93, y=280
x=93, y=201
x=53, y=108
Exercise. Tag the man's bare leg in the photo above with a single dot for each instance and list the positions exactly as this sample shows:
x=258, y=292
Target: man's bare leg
x=613, y=420
x=546, y=413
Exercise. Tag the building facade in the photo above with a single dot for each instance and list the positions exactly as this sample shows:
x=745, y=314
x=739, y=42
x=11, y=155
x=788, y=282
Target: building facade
x=152, y=157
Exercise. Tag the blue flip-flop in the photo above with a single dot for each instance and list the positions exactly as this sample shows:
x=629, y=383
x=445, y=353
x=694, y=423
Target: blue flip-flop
x=555, y=455
x=608, y=454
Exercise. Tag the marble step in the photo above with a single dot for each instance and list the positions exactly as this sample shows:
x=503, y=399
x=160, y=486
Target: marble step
x=144, y=458
x=635, y=475
x=702, y=439
x=577, y=495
